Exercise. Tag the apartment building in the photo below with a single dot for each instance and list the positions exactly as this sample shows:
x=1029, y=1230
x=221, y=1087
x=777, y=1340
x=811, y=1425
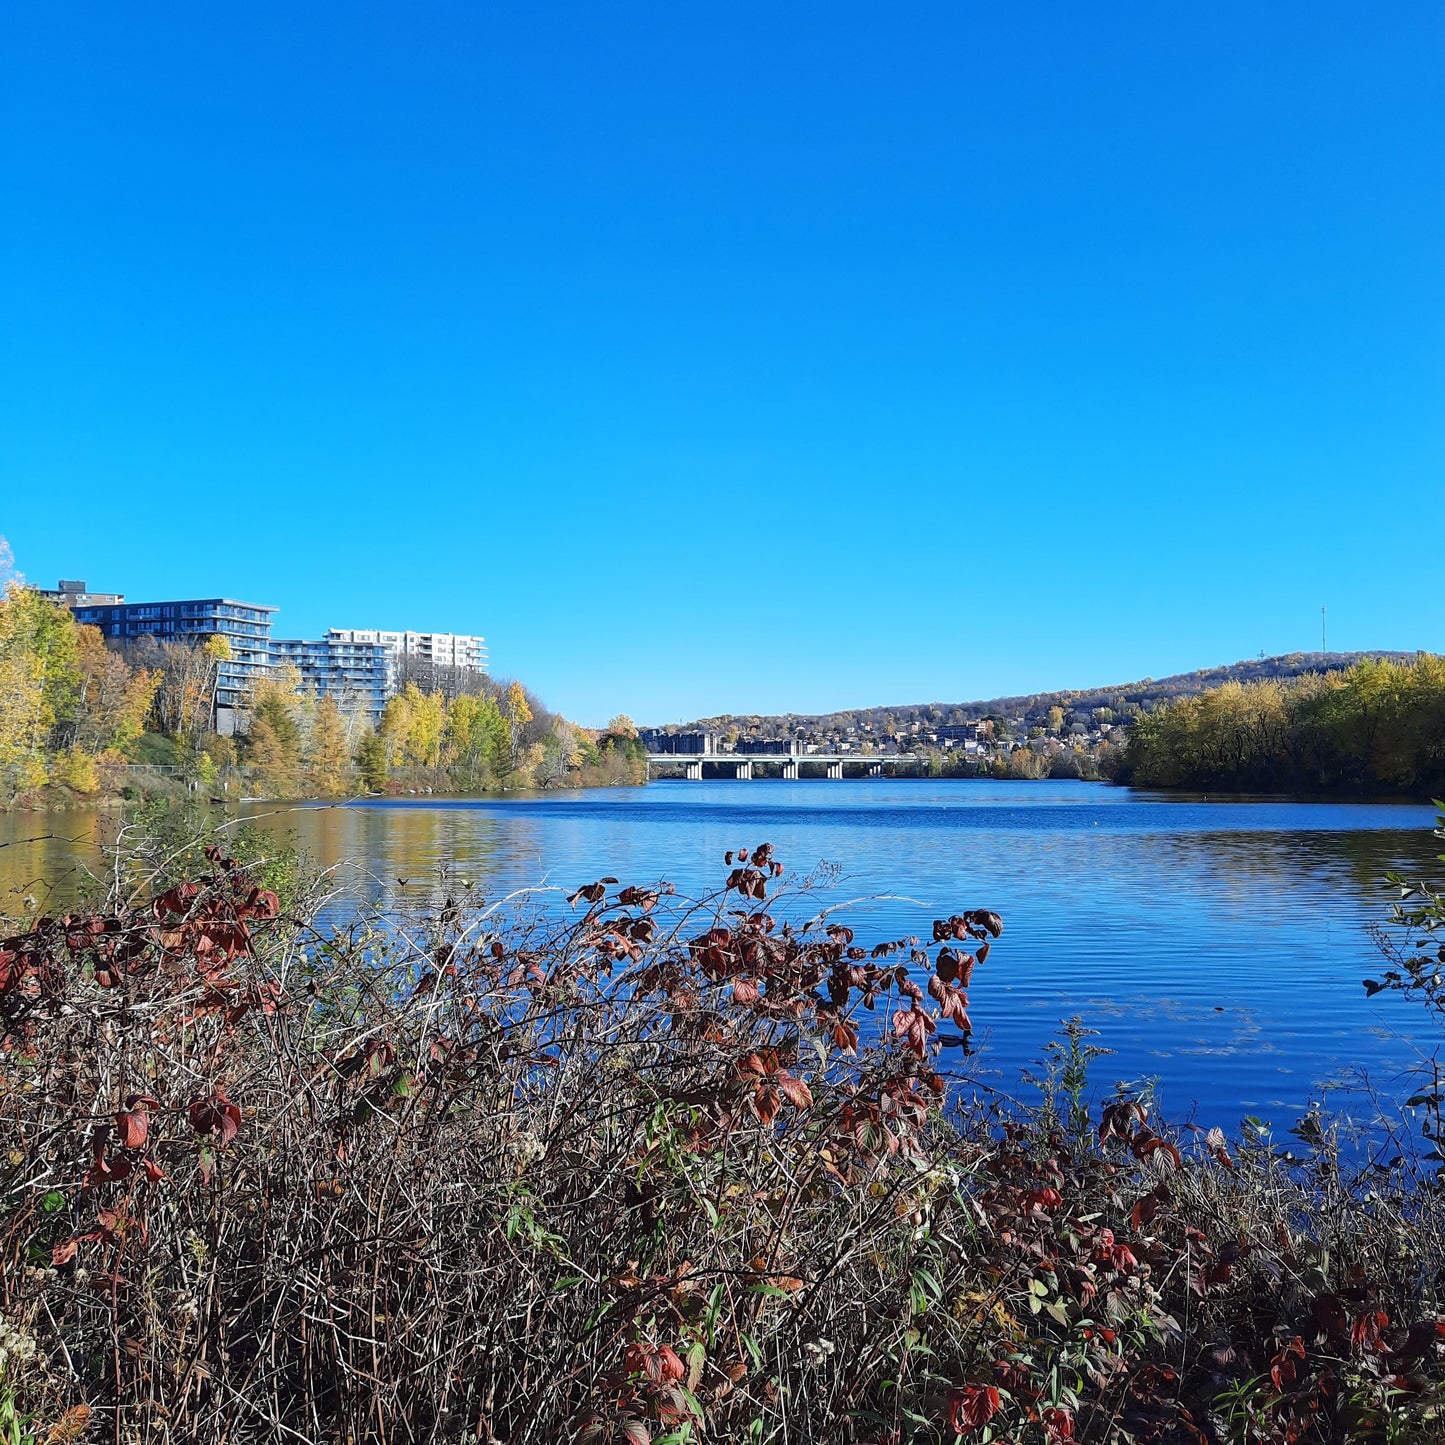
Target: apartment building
x=358, y=667
x=357, y=676
x=442, y=649
x=77, y=594
x=245, y=625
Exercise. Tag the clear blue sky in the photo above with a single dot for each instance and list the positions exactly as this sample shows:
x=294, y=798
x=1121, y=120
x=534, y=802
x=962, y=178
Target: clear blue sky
x=733, y=357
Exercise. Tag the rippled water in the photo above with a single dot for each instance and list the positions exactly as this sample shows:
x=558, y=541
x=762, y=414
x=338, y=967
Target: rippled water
x=1217, y=945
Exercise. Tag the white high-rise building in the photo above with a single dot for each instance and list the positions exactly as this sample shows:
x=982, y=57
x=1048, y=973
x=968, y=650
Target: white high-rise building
x=444, y=649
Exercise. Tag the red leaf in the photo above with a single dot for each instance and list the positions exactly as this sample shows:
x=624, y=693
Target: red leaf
x=1043, y=1199
x=63, y=1253
x=1058, y=1424
x=132, y=1127
x=765, y=1104
x=913, y=1027
x=217, y=1116
x=176, y=900
x=972, y=1407
x=795, y=1091
x=955, y=967
x=670, y=1367
x=1147, y=1143
x=1143, y=1212
x=1214, y=1142
x=264, y=903
x=1116, y=1117
x=952, y=1002
x=1120, y=1256
x=1366, y=1329
x=988, y=920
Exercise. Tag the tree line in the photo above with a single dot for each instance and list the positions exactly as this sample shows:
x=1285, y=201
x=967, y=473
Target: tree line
x=1377, y=726
x=76, y=716
x=499, y=737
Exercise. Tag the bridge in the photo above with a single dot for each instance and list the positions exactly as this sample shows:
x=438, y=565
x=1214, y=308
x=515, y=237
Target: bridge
x=742, y=763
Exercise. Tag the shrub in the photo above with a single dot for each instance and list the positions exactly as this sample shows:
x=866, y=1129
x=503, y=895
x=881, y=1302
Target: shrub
x=665, y=1171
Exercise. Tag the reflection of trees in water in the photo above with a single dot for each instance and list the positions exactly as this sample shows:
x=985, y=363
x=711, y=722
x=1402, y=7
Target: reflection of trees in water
x=437, y=851
x=1178, y=883
x=50, y=857
x=1353, y=861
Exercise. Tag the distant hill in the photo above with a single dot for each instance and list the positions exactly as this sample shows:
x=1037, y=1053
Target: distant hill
x=1122, y=699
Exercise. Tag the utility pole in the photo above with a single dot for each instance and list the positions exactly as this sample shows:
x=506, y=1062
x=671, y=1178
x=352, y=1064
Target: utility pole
x=1322, y=630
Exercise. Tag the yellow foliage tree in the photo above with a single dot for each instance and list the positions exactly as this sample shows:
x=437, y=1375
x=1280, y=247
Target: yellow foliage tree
x=274, y=735
x=331, y=768
x=518, y=713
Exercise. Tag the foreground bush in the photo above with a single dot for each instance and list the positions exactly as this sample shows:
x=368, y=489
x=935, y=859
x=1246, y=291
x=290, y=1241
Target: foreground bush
x=670, y=1171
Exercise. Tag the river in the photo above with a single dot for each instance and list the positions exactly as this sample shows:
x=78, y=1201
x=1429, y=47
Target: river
x=1217, y=945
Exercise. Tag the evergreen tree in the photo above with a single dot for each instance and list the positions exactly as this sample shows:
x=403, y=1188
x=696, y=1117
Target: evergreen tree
x=371, y=761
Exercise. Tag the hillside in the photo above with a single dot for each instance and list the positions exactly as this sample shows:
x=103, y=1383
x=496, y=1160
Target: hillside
x=1121, y=699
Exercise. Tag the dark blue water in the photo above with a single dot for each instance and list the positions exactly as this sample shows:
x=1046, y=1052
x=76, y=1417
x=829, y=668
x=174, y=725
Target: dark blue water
x=1218, y=946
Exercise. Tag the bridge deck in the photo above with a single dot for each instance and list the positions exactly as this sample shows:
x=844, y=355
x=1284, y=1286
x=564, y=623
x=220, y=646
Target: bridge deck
x=680, y=759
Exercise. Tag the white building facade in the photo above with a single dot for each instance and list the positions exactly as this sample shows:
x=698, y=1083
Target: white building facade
x=442, y=649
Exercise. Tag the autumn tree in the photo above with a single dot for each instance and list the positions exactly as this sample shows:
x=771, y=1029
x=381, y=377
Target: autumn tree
x=395, y=728
x=562, y=751
x=25, y=715
x=330, y=756
x=274, y=734
x=477, y=741
x=518, y=713
x=39, y=681
x=112, y=699
x=185, y=701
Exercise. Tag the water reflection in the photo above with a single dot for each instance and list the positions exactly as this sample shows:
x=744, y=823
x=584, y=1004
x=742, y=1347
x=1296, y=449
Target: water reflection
x=1218, y=945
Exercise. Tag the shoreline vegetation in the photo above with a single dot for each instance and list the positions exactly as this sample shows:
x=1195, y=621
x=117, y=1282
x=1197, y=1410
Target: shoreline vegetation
x=1377, y=728
x=83, y=723
x=657, y=1171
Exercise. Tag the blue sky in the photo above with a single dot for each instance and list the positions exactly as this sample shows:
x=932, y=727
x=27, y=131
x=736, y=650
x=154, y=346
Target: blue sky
x=737, y=357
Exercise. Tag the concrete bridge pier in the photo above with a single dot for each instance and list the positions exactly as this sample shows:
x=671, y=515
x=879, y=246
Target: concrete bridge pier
x=694, y=772
x=875, y=770
x=835, y=770
x=744, y=772
x=790, y=770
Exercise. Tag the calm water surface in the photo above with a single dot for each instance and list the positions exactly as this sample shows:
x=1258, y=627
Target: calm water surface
x=1217, y=945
